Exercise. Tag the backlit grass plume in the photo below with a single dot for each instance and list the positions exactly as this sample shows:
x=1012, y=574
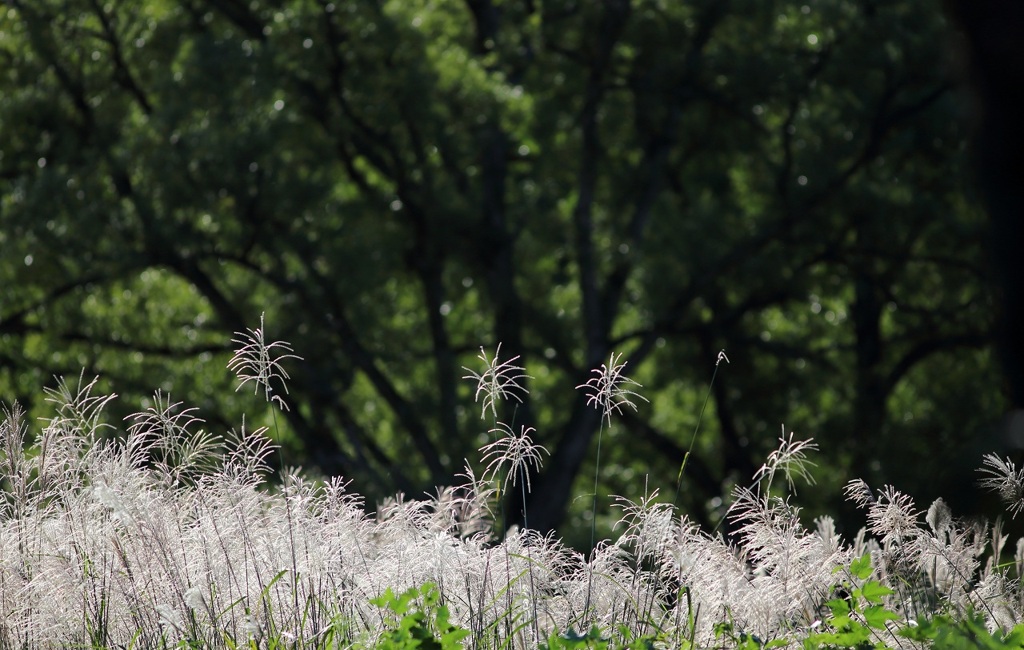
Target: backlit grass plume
x=259, y=362
x=514, y=452
x=499, y=380
x=609, y=389
x=1003, y=478
x=790, y=459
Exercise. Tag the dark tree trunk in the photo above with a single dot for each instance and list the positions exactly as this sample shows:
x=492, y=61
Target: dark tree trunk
x=993, y=31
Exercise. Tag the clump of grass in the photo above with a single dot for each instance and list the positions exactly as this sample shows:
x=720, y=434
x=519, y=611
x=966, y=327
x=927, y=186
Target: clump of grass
x=164, y=535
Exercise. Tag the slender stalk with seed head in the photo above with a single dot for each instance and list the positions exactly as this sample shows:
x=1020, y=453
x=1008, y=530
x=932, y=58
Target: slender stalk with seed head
x=259, y=362
x=517, y=452
x=500, y=380
x=693, y=438
x=789, y=458
x=609, y=390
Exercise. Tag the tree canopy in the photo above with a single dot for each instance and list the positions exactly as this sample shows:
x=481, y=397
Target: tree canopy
x=397, y=184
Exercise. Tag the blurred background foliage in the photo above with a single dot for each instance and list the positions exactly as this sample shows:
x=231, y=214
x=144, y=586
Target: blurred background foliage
x=397, y=183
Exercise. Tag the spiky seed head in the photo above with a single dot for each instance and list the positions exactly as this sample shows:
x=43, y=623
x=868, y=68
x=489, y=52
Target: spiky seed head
x=893, y=515
x=859, y=492
x=500, y=380
x=789, y=458
x=516, y=451
x=259, y=362
x=1003, y=478
x=609, y=389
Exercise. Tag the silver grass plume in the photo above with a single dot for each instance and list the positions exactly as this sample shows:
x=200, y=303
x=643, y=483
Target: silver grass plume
x=500, y=380
x=891, y=514
x=246, y=454
x=259, y=362
x=1003, y=478
x=162, y=434
x=73, y=436
x=649, y=524
x=946, y=557
x=516, y=451
x=789, y=458
x=77, y=408
x=609, y=389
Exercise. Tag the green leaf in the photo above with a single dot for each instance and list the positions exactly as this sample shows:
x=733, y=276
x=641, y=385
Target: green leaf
x=877, y=615
x=873, y=592
x=849, y=638
x=861, y=567
x=839, y=606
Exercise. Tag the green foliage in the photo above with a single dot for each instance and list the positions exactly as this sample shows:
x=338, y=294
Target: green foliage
x=940, y=632
x=571, y=640
x=595, y=639
x=859, y=619
x=417, y=619
x=726, y=633
x=968, y=633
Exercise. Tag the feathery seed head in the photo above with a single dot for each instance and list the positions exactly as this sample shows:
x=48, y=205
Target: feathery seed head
x=859, y=492
x=609, y=390
x=246, y=454
x=517, y=451
x=194, y=598
x=1005, y=479
x=893, y=516
x=162, y=434
x=939, y=517
x=78, y=409
x=169, y=618
x=162, y=426
x=649, y=523
x=260, y=362
x=499, y=380
x=790, y=459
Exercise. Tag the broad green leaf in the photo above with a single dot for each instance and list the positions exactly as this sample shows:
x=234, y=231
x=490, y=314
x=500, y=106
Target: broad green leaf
x=861, y=567
x=873, y=591
x=877, y=615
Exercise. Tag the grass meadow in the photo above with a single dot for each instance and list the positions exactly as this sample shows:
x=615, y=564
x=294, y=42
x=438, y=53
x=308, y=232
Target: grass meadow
x=153, y=533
